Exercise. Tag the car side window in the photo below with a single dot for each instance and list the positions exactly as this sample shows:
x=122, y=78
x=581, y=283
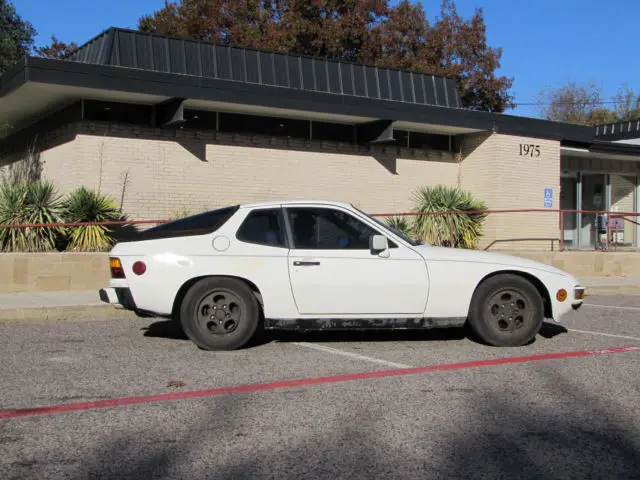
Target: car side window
x=328, y=229
x=262, y=227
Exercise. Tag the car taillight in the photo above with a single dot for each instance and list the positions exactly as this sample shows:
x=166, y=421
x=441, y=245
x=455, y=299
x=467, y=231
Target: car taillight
x=116, y=268
x=139, y=268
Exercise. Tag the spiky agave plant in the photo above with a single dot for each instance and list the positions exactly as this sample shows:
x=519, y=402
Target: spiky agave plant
x=437, y=229
x=83, y=205
x=29, y=203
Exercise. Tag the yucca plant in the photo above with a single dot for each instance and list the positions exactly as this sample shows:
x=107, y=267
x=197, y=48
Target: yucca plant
x=178, y=214
x=29, y=203
x=83, y=205
x=400, y=224
x=436, y=229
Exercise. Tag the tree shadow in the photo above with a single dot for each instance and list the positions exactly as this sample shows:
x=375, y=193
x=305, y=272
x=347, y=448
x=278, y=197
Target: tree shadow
x=500, y=428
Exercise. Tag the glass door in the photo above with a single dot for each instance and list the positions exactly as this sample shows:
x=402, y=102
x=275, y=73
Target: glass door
x=594, y=196
x=569, y=201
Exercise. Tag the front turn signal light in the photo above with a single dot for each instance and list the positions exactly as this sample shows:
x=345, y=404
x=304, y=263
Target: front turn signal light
x=579, y=293
x=561, y=295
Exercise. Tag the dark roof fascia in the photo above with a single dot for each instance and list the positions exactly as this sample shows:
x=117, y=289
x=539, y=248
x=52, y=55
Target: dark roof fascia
x=172, y=85
x=600, y=146
x=611, y=147
x=618, y=131
x=13, y=78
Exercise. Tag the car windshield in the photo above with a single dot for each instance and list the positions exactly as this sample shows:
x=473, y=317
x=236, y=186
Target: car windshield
x=391, y=229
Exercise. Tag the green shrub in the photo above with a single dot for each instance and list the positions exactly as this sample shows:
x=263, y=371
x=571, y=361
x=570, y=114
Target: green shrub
x=83, y=205
x=400, y=224
x=29, y=203
x=436, y=229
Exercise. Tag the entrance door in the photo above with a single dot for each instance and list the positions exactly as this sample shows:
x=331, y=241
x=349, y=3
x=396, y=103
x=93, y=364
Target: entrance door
x=594, y=197
x=333, y=271
x=569, y=201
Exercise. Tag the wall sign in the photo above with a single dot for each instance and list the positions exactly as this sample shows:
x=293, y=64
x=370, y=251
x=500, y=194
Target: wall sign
x=529, y=150
x=548, y=198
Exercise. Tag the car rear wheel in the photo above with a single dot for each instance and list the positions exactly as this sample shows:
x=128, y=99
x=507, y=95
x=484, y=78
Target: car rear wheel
x=506, y=311
x=220, y=314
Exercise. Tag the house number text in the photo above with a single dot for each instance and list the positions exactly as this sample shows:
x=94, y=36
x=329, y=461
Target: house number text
x=529, y=150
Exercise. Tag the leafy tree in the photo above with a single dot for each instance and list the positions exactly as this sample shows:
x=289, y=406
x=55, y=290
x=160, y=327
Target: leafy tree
x=16, y=36
x=56, y=49
x=355, y=30
x=583, y=104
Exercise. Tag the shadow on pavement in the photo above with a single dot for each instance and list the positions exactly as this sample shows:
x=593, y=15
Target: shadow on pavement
x=172, y=330
x=556, y=429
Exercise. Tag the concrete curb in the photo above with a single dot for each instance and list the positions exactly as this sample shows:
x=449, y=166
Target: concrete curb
x=612, y=290
x=80, y=313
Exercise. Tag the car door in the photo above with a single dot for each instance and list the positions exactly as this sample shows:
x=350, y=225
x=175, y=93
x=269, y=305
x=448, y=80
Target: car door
x=333, y=272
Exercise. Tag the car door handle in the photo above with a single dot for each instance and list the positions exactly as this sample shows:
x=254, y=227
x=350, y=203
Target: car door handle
x=298, y=263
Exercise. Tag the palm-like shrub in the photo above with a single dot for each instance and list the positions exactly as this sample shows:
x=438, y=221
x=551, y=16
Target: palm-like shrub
x=83, y=205
x=400, y=224
x=437, y=229
x=29, y=203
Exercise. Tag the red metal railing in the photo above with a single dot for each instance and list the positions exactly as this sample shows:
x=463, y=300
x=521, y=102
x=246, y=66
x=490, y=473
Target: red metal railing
x=610, y=216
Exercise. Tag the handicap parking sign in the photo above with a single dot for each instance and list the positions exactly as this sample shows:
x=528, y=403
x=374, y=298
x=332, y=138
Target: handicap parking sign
x=548, y=198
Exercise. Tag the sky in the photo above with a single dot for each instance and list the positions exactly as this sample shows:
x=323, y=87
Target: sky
x=545, y=43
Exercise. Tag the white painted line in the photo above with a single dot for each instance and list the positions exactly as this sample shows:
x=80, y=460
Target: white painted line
x=603, y=334
x=617, y=307
x=335, y=351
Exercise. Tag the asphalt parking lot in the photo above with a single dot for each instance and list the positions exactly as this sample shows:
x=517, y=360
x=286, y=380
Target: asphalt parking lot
x=565, y=406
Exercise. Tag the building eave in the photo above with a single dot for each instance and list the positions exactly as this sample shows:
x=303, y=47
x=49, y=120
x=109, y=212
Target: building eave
x=100, y=78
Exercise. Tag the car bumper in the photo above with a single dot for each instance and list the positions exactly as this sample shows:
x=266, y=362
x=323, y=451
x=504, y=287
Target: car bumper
x=118, y=296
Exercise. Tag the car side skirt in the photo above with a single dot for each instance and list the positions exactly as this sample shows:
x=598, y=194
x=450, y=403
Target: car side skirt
x=362, y=323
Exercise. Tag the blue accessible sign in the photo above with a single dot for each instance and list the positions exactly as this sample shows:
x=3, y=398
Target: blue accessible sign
x=548, y=198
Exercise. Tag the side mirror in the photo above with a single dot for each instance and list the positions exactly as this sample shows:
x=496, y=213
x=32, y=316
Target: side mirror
x=378, y=243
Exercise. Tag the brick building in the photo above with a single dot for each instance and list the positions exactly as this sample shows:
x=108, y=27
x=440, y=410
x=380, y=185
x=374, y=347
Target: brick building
x=164, y=124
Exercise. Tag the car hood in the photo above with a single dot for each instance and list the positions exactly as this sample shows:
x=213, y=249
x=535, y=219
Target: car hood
x=474, y=256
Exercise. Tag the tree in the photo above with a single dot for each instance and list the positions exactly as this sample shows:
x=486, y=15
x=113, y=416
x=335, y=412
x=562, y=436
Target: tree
x=354, y=30
x=16, y=36
x=583, y=104
x=56, y=49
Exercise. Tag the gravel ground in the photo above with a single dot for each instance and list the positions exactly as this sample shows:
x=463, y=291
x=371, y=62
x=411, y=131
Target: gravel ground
x=557, y=418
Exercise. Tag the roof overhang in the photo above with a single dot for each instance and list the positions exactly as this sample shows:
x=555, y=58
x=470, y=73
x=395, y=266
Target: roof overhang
x=602, y=151
x=38, y=85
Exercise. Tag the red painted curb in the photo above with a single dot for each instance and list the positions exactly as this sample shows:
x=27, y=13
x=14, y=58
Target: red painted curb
x=121, y=401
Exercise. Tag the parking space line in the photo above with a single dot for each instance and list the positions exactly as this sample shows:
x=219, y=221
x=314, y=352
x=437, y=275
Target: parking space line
x=603, y=334
x=336, y=351
x=617, y=307
x=305, y=382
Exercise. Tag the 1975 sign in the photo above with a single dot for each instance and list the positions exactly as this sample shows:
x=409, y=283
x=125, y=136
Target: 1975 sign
x=529, y=150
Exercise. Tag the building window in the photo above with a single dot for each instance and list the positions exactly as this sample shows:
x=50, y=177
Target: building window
x=333, y=132
x=259, y=125
x=262, y=227
x=99, y=111
x=428, y=141
x=200, y=119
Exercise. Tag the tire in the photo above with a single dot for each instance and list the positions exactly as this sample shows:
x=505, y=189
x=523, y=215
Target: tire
x=493, y=317
x=220, y=314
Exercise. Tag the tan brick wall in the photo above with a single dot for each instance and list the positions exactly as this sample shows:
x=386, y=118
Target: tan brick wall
x=494, y=172
x=213, y=170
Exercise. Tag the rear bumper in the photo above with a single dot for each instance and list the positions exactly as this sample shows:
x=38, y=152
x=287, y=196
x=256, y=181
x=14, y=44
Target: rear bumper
x=118, y=296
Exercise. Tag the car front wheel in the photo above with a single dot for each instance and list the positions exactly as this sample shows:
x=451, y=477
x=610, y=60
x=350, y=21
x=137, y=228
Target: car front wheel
x=220, y=314
x=506, y=311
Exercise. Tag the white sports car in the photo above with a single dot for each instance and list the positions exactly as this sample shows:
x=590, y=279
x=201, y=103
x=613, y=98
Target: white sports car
x=227, y=273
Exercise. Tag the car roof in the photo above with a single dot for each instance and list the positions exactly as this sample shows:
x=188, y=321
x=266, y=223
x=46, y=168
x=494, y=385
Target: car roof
x=273, y=203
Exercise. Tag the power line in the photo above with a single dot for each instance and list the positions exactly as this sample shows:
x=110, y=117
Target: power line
x=599, y=102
